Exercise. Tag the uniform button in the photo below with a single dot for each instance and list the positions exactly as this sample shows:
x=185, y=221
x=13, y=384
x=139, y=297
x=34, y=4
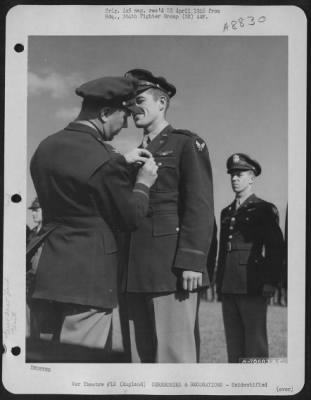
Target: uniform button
x=159, y=164
x=229, y=208
x=231, y=228
x=233, y=219
x=247, y=219
x=230, y=237
x=177, y=229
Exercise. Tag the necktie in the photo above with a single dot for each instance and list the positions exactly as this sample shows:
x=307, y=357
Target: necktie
x=146, y=141
x=237, y=203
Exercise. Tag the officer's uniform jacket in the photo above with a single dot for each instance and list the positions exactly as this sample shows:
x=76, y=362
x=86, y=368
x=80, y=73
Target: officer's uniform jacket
x=86, y=194
x=177, y=232
x=250, y=248
x=33, y=262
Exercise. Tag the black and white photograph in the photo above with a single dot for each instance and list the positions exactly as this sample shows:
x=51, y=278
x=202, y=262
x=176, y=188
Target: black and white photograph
x=152, y=243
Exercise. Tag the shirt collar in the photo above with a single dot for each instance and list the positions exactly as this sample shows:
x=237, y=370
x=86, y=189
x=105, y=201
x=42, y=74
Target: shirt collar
x=166, y=129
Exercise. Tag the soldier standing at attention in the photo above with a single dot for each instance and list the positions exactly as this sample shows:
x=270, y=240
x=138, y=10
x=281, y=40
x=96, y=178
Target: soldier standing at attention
x=31, y=268
x=168, y=252
x=249, y=262
x=86, y=195
x=36, y=216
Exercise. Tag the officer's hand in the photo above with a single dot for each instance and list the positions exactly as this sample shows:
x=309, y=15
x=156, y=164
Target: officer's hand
x=191, y=280
x=268, y=290
x=137, y=155
x=147, y=174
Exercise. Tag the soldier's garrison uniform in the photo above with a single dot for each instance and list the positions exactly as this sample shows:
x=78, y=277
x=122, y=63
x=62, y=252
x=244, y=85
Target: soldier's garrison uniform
x=250, y=256
x=174, y=236
x=86, y=194
x=32, y=325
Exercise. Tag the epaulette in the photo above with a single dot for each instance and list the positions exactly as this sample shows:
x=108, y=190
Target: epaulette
x=226, y=209
x=185, y=132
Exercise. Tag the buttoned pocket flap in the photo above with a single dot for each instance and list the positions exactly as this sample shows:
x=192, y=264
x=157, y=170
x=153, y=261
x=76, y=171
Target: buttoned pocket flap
x=167, y=175
x=165, y=224
x=166, y=162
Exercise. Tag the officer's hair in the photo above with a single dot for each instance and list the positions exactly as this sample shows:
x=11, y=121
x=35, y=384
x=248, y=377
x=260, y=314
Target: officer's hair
x=157, y=93
x=91, y=108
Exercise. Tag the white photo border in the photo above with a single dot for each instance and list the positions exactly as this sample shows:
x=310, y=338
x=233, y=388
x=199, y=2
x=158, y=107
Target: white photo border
x=25, y=21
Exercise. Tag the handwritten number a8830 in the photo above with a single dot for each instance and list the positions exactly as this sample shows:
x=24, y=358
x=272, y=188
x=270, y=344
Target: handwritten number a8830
x=242, y=22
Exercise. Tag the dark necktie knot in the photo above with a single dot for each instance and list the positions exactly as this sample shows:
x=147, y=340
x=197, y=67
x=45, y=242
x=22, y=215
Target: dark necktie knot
x=146, y=141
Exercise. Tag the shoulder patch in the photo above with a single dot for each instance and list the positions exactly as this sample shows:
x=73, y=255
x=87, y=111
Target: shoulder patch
x=200, y=144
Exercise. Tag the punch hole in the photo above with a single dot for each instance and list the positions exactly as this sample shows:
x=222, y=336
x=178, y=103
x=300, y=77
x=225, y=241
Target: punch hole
x=19, y=48
x=16, y=198
x=16, y=351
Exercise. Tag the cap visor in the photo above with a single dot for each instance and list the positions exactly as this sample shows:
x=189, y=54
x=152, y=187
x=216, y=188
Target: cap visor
x=239, y=169
x=134, y=109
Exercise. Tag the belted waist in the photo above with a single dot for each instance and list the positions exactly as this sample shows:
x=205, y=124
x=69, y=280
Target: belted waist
x=163, y=209
x=48, y=226
x=231, y=246
x=87, y=221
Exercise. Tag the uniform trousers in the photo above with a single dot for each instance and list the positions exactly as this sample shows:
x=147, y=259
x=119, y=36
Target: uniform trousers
x=80, y=325
x=163, y=327
x=245, y=322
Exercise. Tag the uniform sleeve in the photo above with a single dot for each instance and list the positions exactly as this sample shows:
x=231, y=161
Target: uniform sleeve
x=221, y=255
x=196, y=207
x=122, y=203
x=274, y=246
x=212, y=255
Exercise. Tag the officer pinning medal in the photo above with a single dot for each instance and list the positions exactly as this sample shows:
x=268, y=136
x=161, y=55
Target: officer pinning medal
x=87, y=195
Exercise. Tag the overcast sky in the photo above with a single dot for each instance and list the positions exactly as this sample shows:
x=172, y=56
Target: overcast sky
x=232, y=91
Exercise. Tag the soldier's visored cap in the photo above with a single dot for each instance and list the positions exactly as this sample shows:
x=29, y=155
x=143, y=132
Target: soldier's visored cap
x=243, y=162
x=109, y=91
x=146, y=80
x=34, y=205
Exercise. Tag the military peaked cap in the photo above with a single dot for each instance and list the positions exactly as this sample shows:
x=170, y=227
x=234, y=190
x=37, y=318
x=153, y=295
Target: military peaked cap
x=147, y=81
x=35, y=204
x=243, y=162
x=110, y=91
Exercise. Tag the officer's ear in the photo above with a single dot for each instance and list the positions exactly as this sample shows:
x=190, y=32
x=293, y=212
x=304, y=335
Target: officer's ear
x=163, y=102
x=252, y=176
x=104, y=114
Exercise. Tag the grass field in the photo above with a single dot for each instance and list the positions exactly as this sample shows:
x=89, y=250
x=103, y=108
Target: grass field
x=213, y=346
